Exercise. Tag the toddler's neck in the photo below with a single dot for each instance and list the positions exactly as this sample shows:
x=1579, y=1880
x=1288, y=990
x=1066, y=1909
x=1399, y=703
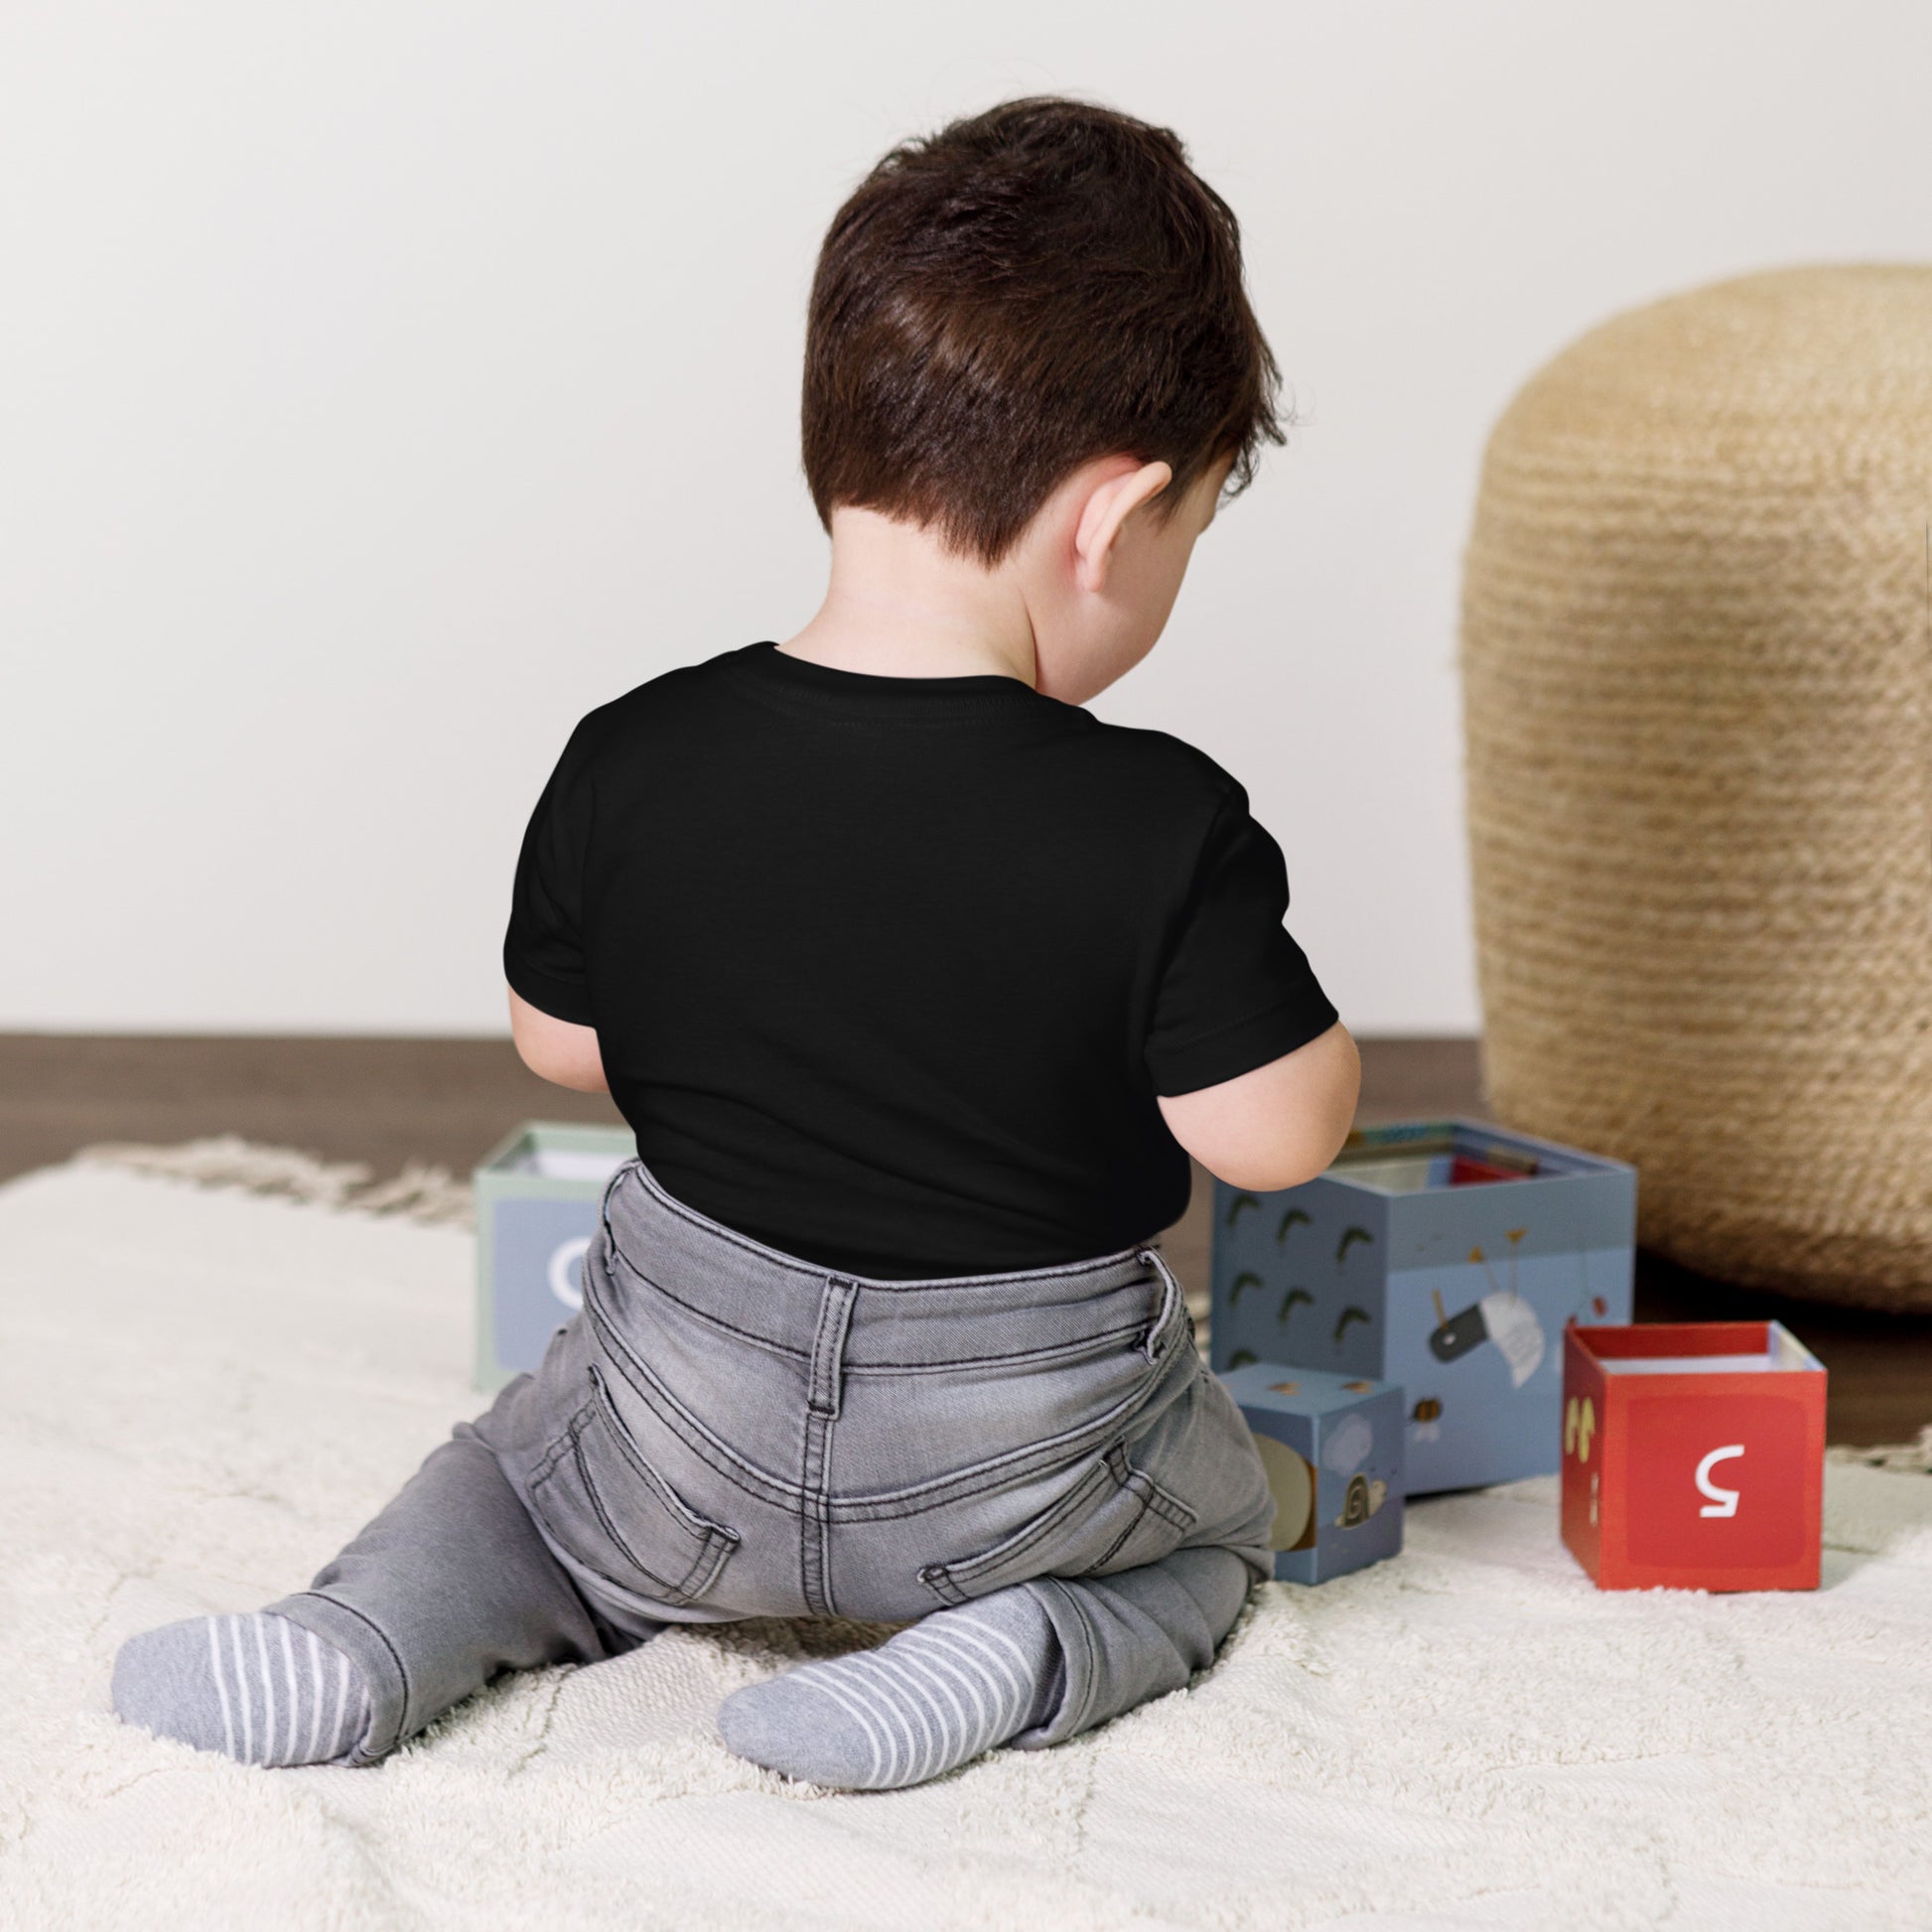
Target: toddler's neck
x=900, y=605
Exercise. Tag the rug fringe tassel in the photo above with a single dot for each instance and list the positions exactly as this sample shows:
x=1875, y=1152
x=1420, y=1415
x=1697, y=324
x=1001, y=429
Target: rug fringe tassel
x=1910, y=1458
x=421, y=1193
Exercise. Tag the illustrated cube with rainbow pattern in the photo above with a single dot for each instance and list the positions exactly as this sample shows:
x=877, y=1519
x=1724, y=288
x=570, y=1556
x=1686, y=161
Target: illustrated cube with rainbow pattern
x=1443, y=1255
x=1332, y=1449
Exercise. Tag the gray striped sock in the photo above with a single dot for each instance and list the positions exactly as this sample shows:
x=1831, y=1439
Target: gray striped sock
x=258, y=1688
x=954, y=1685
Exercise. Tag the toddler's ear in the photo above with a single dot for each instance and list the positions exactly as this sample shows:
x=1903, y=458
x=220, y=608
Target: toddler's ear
x=1107, y=508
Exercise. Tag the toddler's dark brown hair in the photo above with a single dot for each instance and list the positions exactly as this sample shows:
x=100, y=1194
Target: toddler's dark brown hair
x=1009, y=297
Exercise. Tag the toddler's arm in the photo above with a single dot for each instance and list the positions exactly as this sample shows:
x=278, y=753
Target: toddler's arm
x=554, y=1049
x=1279, y=1125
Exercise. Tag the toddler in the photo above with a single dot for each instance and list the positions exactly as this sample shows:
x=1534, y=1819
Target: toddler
x=919, y=985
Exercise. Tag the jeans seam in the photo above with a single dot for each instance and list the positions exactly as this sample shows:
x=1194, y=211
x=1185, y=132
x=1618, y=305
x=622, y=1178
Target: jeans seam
x=805, y=1524
x=709, y=1537
x=675, y=1417
x=822, y=1393
x=718, y=1456
x=704, y=1315
x=1028, y=1536
x=701, y=1528
x=1098, y=1343
x=1021, y=1463
x=673, y=1593
x=1164, y=1502
x=1154, y=1501
x=547, y=1463
x=383, y=1637
x=1090, y=1674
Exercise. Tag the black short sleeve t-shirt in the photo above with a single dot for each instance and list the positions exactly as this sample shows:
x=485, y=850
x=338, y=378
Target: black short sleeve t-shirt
x=888, y=972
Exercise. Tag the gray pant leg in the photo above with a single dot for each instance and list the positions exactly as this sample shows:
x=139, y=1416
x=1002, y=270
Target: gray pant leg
x=450, y=1585
x=1142, y=1632
x=1137, y=1634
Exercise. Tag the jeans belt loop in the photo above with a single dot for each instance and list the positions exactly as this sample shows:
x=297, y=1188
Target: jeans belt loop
x=827, y=1369
x=1168, y=1299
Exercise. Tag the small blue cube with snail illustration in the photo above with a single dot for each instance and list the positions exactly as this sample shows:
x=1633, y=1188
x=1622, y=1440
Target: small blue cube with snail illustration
x=1443, y=1255
x=1332, y=1449
x=539, y=1192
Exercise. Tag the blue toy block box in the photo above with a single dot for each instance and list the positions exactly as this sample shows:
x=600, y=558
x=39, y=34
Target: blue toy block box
x=538, y=1192
x=1446, y=1256
x=1332, y=1449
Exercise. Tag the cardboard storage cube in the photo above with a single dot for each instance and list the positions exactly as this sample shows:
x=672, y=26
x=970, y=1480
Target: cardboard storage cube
x=538, y=1193
x=1332, y=1449
x=1693, y=1455
x=1442, y=1255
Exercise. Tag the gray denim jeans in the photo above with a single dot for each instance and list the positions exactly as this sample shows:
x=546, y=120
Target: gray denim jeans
x=727, y=1432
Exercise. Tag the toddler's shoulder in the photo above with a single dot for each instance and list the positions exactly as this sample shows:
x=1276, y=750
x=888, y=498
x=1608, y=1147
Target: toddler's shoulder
x=1179, y=776
x=667, y=705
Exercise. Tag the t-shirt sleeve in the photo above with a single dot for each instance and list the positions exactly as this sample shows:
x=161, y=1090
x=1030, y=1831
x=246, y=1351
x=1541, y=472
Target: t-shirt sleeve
x=543, y=948
x=1237, y=991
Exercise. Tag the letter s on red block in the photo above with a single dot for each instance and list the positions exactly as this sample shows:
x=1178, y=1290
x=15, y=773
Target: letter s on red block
x=1723, y=1502
x=1714, y=1481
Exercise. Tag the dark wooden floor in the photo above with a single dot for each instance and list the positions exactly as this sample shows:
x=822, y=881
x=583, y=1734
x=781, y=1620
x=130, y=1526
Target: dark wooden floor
x=448, y=1101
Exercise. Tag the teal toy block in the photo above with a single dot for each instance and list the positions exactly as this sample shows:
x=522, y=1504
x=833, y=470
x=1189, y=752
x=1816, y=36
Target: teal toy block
x=1332, y=1446
x=1446, y=1256
x=539, y=1192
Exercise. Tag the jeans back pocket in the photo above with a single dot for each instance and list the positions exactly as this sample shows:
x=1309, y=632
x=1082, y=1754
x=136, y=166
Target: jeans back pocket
x=609, y=1510
x=1112, y=1517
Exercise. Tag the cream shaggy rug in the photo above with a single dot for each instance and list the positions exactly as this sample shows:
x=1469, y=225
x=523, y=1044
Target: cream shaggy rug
x=203, y=1392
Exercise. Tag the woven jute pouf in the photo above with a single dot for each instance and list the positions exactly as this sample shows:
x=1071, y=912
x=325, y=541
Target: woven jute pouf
x=1696, y=659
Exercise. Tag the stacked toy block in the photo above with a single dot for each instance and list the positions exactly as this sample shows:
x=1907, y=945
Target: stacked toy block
x=1332, y=1449
x=1442, y=1256
x=538, y=1195
x=1693, y=1455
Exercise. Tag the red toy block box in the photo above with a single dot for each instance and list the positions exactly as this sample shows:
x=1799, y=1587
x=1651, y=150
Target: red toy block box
x=1693, y=1455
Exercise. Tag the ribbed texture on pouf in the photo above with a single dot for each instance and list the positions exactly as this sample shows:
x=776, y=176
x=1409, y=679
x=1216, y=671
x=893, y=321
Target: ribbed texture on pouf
x=1697, y=665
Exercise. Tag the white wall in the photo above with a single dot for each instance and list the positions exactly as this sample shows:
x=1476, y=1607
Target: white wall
x=383, y=387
